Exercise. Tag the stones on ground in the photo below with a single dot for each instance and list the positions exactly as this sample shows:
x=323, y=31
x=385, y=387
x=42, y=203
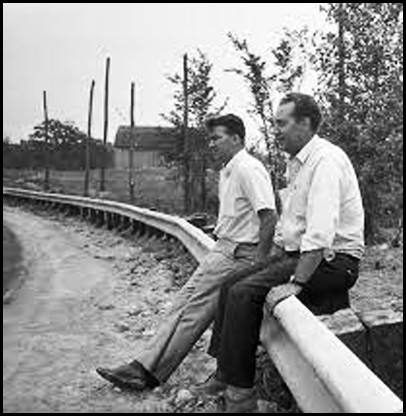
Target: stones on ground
x=134, y=313
x=104, y=256
x=267, y=407
x=122, y=327
x=106, y=307
x=183, y=397
x=148, y=333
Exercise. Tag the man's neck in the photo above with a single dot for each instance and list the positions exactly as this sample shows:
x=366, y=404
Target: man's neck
x=304, y=142
x=232, y=155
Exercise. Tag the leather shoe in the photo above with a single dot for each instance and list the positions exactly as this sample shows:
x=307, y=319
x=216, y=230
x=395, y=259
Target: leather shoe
x=133, y=376
x=212, y=386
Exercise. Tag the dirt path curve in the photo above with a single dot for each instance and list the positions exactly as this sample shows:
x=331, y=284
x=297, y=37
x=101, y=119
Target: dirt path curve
x=88, y=299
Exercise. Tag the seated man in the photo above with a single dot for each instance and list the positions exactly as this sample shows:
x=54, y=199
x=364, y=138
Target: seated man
x=245, y=231
x=318, y=246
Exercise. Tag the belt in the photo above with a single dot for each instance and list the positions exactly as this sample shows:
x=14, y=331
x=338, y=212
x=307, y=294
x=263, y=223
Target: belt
x=248, y=245
x=296, y=254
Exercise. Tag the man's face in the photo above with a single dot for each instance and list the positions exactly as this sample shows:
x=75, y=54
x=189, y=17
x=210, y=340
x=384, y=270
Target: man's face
x=222, y=146
x=290, y=132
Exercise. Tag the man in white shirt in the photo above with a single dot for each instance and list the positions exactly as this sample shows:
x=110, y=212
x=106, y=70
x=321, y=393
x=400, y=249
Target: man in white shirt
x=245, y=231
x=318, y=244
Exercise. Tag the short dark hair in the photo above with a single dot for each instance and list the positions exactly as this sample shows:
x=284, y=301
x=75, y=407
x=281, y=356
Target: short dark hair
x=231, y=122
x=305, y=107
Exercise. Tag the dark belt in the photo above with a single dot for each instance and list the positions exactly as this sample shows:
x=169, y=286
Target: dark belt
x=248, y=245
x=296, y=255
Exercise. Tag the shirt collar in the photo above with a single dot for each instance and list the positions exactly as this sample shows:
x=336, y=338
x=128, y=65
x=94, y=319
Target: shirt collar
x=307, y=150
x=236, y=159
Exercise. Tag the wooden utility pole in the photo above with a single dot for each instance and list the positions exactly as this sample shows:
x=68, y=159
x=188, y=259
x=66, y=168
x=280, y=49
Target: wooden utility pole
x=88, y=139
x=341, y=54
x=47, y=150
x=106, y=125
x=132, y=145
x=186, y=155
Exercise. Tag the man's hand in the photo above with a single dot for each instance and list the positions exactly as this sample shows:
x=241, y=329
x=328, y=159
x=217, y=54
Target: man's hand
x=279, y=294
x=265, y=257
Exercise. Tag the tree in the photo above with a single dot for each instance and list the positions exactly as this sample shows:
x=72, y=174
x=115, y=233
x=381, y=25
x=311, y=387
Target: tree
x=262, y=88
x=58, y=133
x=360, y=67
x=202, y=98
x=66, y=145
x=293, y=59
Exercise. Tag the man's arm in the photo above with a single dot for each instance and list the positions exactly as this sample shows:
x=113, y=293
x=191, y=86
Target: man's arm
x=257, y=186
x=268, y=219
x=308, y=263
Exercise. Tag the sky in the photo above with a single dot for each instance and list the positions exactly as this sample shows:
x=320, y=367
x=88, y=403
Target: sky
x=61, y=47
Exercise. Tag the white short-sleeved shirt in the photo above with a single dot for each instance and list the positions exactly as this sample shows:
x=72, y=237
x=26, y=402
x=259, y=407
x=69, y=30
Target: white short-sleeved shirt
x=322, y=206
x=245, y=188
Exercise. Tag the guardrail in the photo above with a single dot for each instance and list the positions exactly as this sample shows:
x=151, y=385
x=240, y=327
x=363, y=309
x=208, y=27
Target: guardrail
x=322, y=373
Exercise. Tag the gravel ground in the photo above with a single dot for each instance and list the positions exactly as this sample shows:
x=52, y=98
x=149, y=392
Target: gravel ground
x=91, y=297
x=380, y=285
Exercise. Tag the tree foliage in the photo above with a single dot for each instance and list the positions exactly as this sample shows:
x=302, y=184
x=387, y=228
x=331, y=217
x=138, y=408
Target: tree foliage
x=365, y=114
x=359, y=66
x=262, y=87
x=202, y=99
x=64, y=149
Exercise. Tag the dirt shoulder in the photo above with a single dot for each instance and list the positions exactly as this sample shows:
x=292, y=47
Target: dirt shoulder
x=91, y=297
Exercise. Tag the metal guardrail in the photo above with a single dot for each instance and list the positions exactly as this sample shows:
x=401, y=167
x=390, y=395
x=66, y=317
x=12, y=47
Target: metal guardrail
x=321, y=372
x=195, y=240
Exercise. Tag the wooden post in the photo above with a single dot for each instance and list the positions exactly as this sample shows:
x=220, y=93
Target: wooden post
x=88, y=139
x=132, y=145
x=106, y=124
x=47, y=151
x=186, y=161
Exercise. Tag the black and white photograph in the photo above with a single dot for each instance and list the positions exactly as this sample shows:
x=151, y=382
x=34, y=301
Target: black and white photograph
x=203, y=208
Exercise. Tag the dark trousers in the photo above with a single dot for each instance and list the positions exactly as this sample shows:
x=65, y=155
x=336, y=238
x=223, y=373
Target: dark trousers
x=238, y=322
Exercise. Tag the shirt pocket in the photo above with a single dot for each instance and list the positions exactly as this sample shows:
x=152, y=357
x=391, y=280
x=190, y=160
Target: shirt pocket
x=298, y=200
x=230, y=198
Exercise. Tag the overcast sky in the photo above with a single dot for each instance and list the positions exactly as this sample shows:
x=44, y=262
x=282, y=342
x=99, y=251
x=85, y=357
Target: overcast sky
x=62, y=47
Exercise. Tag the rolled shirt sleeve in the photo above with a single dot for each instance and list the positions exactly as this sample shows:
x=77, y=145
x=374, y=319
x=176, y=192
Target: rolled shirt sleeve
x=323, y=207
x=257, y=186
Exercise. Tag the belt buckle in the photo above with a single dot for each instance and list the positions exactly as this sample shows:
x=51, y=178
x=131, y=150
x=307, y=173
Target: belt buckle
x=329, y=255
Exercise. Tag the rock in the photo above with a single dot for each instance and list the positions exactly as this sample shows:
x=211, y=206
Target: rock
x=104, y=256
x=183, y=396
x=122, y=328
x=379, y=265
x=384, y=247
x=385, y=329
x=128, y=257
x=108, y=307
x=267, y=407
x=148, y=333
x=167, y=306
x=134, y=313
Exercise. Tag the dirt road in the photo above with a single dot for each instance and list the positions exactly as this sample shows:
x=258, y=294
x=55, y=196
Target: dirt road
x=89, y=298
